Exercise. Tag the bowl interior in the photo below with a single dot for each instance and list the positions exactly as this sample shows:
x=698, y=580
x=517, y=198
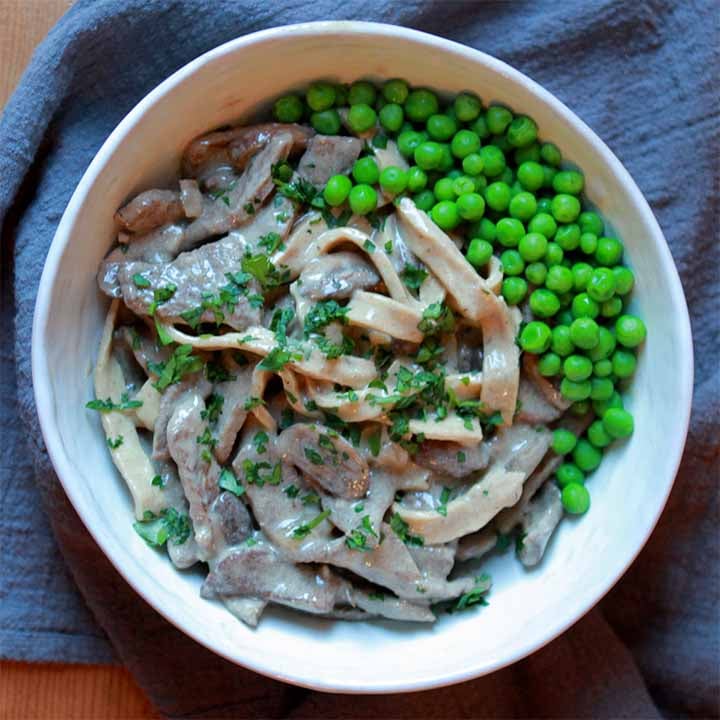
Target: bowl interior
x=526, y=608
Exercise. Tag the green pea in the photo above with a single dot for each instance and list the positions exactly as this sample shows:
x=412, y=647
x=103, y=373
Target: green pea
x=442, y=127
x=569, y=472
x=416, y=179
x=575, y=499
x=420, y=105
x=395, y=91
x=605, y=344
x=602, y=368
x=559, y=279
x=408, y=141
x=544, y=224
x=523, y=206
x=548, y=177
x=565, y=317
x=577, y=368
x=554, y=254
x=479, y=252
x=424, y=200
x=480, y=128
x=529, y=153
x=544, y=303
x=530, y=174
x=467, y=107
x=473, y=164
x=584, y=306
x=514, y=290
x=565, y=208
x=570, y=182
x=624, y=363
x=601, y=406
x=563, y=442
x=588, y=243
x=428, y=155
x=536, y=273
x=618, y=423
x=562, y=343
x=591, y=222
x=582, y=272
x=288, y=109
x=493, y=160
x=545, y=206
x=337, y=190
x=549, y=364
x=320, y=96
x=362, y=93
x=507, y=177
x=487, y=230
x=602, y=387
x=575, y=390
x=393, y=180
x=464, y=143
x=512, y=262
x=535, y=337
x=585, y=333
x=509, y=230
x=550, y=154
x=497, y=195
x=522, y=131
x=464, y=185
x=601, y=285
x=326, y=122
x=365, y=170
x=630, y=330
x=624, y=279
x=471, y=206
x=612, y=307
x=568, y=237
x=361, y=117
x=609, y=251
x=362, y=199
x=498, y=118
x=391, y=117
x=445, y=215
x=444, y=190
x=533, y=247
x=586, y=457
x=597, y=435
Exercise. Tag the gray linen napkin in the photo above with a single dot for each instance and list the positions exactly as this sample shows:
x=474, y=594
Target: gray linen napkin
x=644, y=75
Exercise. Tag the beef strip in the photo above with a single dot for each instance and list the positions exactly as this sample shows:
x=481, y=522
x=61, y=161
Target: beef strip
x=150, y=209
x=328, y=155
x=539, y=521
x=450, y=458
x=337, y=275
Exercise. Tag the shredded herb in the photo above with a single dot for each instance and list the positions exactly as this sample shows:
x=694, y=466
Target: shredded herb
x=281, y=319
x=252, y=472
x=249, y=208
x=502, y=542
x=115, y=443
x=158, y=481
x=213, y=408
x=168, y=526
x=476, y=596
x=182, y=362
x=252, y=402
x=413, y=276
x=140, y=281
x=369, y=246
x=376, y=596
x=108, y=405
x=437, y=318
x=300, y=191
x=311, y=498
x=229, y=482
x=292, y=491
x=276, y=359
x=460, y=456
x=402, y=530
x=444, y=497
x=313, y=456
x=160, y=296
x=305, y=529
x=322, y=314
x=271, y=242
x=374, y=442
x=359, y=508
x=260, y=441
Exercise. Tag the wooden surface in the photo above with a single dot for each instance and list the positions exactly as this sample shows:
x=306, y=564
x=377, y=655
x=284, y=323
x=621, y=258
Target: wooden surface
x=47, y=692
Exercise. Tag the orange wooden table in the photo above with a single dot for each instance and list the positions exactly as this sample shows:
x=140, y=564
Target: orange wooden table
x=29, y=691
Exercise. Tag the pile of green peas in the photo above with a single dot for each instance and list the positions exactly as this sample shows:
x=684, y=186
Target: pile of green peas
x=483, y=174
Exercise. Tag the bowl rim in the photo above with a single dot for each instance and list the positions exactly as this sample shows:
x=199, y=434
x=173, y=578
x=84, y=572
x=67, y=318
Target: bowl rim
x=43, y=387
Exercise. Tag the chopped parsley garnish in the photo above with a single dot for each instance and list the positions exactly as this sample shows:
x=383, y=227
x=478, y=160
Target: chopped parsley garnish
x=357, y=540
x=305, y=529
x=502, y=542
x=292, y=491
x=460, y=456
x=276, y=359
x=388, y=247
x=437, y=318
x=281, y=319
x=115, y=443
x=378, y=596
x=182, y=362
x=140, y=281
x=216, y=373
x=271, y=242
x=332, y=350
x=322, y=314
x=300, y=191
x=476, y=596
x=374, y=442
x=229, y=482
x=359, y=508
x=311, y=498
x=108, y=405
x=262, y=269
x=313, y=456
x=160, y=296
x=253, y=402
x=249, y=208
x=158, y=481
x=369, y=246
x=260, y=441
x=444, y=497
x=213, y=408
x=402, y=530
x=332, y=222
x=520, y=542
x=252, y=472
x=413, y=276
x=168, y=526
x=162, y=333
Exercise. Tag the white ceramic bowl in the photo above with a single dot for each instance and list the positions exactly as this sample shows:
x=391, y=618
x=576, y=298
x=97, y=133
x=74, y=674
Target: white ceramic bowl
x=527, y=609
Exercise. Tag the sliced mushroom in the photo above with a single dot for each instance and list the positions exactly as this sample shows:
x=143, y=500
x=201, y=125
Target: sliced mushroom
x=337, y=276
x=325, y=457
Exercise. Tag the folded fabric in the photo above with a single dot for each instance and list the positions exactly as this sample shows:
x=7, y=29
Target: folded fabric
x=641, y=74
